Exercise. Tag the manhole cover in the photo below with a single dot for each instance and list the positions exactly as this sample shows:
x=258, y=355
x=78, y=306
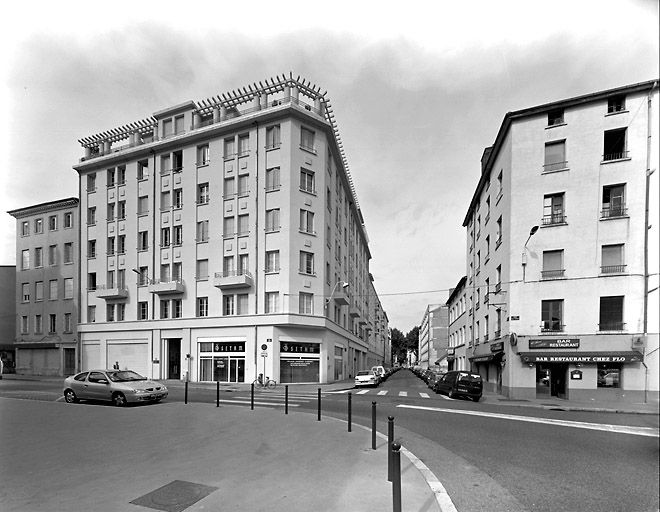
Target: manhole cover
x=175, y=496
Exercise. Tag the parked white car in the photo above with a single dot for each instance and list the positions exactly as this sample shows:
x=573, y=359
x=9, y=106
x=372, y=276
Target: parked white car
x=366, y=378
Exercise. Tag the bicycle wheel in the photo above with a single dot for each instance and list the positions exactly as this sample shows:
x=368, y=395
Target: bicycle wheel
x=271, y=384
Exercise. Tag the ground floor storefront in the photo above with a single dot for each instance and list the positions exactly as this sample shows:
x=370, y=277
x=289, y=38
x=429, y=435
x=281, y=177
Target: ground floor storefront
x=48, y=359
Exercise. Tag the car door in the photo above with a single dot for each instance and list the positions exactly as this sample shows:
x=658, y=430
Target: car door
x=78, y=383
x=97, y=386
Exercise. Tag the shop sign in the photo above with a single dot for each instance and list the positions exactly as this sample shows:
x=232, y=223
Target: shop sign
x=229, y=346
x=582, y=357
x=300, y=348
x=576, y=375
x=555, y=343
x=481, y=359
x=497, y=347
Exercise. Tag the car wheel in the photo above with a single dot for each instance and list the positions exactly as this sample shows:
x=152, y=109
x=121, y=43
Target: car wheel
x=119, y=399
x=70, y=397
x=451, y=394
x=476, y=398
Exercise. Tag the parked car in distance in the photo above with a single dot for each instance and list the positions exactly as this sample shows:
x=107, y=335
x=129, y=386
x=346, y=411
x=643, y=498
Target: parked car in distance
x=460, y=384
x=434, y=377
x=366, y=378
x=379, y=371
x=118, y=386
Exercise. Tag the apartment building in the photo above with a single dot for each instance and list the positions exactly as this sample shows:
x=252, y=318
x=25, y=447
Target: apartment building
x=434, y=337
x=46, y=291
x=562, y=250
x=456, y=304
x=223, y=239
x=7, y=317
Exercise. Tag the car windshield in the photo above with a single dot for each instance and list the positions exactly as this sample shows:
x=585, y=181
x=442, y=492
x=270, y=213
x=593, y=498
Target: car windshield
x=125, y=376
x=363, y=373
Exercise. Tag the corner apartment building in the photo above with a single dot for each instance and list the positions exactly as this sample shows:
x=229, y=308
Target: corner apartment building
x=223, y=239
x=456, y=304
x=434, y=337
x=562, y=268
x=46, y=291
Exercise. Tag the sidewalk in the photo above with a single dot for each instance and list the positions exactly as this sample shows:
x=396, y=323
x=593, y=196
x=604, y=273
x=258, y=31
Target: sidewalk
x=196, y=457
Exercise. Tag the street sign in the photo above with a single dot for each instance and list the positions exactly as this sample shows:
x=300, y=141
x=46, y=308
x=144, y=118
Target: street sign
x=264, y=354
x=264, y=347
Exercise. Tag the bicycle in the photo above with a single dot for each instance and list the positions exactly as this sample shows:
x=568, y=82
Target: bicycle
x=269, y=383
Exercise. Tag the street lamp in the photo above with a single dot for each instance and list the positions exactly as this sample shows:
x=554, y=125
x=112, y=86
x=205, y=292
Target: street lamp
x=524, y=253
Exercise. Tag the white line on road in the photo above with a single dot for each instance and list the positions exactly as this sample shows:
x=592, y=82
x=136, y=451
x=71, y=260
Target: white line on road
x=362, y=392
x=618, y=429
x=403, y=393
x=424, y=395
x=272, y=404
x=381, y=393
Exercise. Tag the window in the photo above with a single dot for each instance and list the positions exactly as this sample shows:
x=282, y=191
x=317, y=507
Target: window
x=273, y=178
x=165, y=200
x=38, y=325
x=52, y=255
x=202, y=306
x=121, y=312
x=111, y=246
x=67, y=322
x=228, y=227
x=273, y=136
x=110, y=177
x=68, y=288
x=165, y=165
x=38, y=226
x=242, y=306
x=272, y=261
x=612, y=259
x=121, y=175
x=121, y=244
x=307, y=181
x=555, y=156
x=25, y=259
x=91, y=314
x=25, y=228
x=228, y=305
x=243, y=225
x=178, y=161
x=111, y=212
x=614, y=203
x=230, y=150
x=272, y=302
x=307, y=139
x=143, y=205
x=143, y=240
x=553, y=264
x=68, y=220
x=68, y=252
x=228, y=266
x=202, y=231
x=25, y=292
x=500, y=185
x=307, y=262
x=306, y=303
x=143, y=310
x=230, y=189
x=24, y=325
x=177, y=308
x=91, y=248
x=91, y=182
x=91, y=281
x=243, y=264
x=243, y=145
x=167, y=127
x=177, y=236
x=177, y=274
x=38, y=257
x=273, y=220
x=616, y=104
x=177, y=199
x=110, y=312
x=203, y=155
x=202, y=270
x=498, y=233
x=611, y=314
x=178, y=124
x=121, y=279
x=609, y=375
x=165, y=272
x=91, y=215
x=553, y=209
x=143, y=170
x=614, y=145
x=143, y=279
x=203, y=193
x=307, y=221
x=52, y=323
x=552, y=315
x=52, y=289
x=121, y=210
x=243, y=185
x=165, y=237
x=556, y=117
x=164, y=308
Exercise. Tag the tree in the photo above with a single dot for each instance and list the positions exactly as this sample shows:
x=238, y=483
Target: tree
x=412, y=341
x=399, y=346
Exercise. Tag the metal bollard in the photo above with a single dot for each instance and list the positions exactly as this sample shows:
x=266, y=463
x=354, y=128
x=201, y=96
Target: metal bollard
x=390, y=440
x=396, y=477
x=349, y=411
x=286, y=399
x=373, y=425
x=185, y=394
x=252, y=396
x=217, y=393
x=319, y=406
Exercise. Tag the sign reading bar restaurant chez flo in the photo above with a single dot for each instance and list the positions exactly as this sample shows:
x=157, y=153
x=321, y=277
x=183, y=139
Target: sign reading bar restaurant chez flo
x=581, y=357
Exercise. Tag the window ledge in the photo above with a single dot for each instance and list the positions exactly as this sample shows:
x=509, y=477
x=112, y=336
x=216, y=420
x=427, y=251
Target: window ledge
x=614, y=160
x=563, y=169
x=308, y=150
x=554, y=225
x=616, y=112
x=615, y=217
x=554, y=125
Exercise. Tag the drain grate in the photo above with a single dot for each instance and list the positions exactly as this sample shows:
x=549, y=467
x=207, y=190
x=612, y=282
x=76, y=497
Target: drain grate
x=175, y=496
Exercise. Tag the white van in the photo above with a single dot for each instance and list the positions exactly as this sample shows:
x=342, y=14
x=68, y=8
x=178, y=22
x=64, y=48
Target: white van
x=379, y=371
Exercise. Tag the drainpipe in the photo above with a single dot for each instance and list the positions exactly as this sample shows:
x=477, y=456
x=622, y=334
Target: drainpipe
x=646, y=206
x=256, y=251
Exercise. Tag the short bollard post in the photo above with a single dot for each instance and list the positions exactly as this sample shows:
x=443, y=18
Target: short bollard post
x=286, y=399
x=373, y=425
x=185, y=394
x=252, y=396
x=390, y=440
x=217, y=394
x=396, y=477
x=349, y=411
x=318, y=418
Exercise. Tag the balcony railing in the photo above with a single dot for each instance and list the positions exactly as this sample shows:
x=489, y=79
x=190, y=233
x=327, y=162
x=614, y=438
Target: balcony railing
x=498, y=287
x=553, y=326
x=612, y=269
x=232, y=279
x=111, y=292
x=555, y=218
x=618, y=155
x=552, y=274
x=555, y=166
x=166, y=286
x=609, y=213
x=611, y=326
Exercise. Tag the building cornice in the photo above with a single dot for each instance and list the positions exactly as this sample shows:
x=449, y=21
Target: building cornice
x=50, y=206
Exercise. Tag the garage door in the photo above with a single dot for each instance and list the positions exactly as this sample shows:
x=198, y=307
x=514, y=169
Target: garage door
x=130, y=356
x=91, y=356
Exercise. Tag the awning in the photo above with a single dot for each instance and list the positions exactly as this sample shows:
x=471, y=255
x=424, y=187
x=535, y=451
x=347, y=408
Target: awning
x=482, y=359
x=582, y=357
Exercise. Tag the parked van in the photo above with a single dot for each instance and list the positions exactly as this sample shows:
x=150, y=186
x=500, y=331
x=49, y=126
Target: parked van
x=460, y=383
x=379, y=371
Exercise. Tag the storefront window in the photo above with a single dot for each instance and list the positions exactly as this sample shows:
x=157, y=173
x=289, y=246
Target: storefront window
x=609, y=375
x=222, y=368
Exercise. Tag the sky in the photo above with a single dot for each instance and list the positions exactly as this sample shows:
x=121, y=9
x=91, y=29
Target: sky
x=419, y=89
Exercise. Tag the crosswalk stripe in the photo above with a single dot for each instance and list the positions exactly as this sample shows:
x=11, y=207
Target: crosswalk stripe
x=424, y=395
x=362, y=392
x=380, y=393
x=403, y=393
x=247, y=402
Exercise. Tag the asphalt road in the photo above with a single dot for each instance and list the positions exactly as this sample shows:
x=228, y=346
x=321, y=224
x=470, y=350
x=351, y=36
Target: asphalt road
x=527, y=460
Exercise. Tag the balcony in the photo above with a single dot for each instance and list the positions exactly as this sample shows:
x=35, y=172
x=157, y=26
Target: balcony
x=612, y=269
x=548, y=275
x=354, y=312
x=612, y=213
x=341, y=297
x=616, y=155
x=163, y=287
x=611, y=326
x=552, y=326
x=554, y=219
x=232, y=279
x=105, y=292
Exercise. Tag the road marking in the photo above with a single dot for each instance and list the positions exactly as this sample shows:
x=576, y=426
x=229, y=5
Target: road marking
x=247, y=402
x=403, y=393
x=618, y=429
x=362, y=392
x=424, y=395
x=381, y=393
